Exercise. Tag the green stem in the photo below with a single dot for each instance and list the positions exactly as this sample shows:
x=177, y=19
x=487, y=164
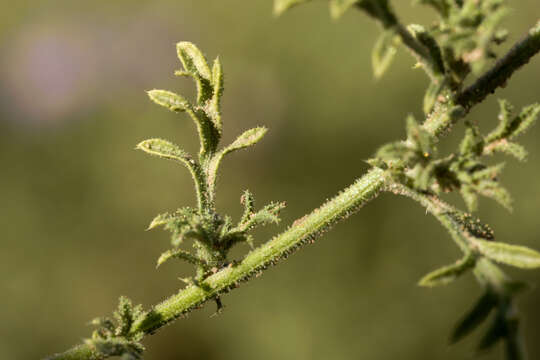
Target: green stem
x=496, y=77
x=316, y=223
x=303, y=231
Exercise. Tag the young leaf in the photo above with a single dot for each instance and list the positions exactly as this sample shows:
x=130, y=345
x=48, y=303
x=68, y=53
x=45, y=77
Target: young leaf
x=179, y=254
x=280, y=6
x=248, y=138
x=525, y=120
x=170, y=100
x=519, y=256
x=249, y=206
x=214, y=105
x=383, y=52
x=508, y=148
x=193, y=60
x=166, y=150
x=448, y=273
x=339, y=7
x=433, y=92
x=426, y=39
x=475, y=317
x=160, y=220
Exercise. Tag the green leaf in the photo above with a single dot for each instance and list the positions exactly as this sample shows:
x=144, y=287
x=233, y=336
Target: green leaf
x=426, y=39
x=197, y=67
x=447, y=274
x=432, y=94
x=170, y=100
x=249, y=205
x=383, y=52
x=525, y=120
x=179, y=254
x=160, y=220
x=248, y=138
x=508, y=148
x=494, y=190
x=469, y=196
x=339, y=7
x=280, y=6
x=165, y=149
x=214, y=107
x=475, y=317
x=422, y=140
x=496, y=332
x=519, y=256
x=193, y=60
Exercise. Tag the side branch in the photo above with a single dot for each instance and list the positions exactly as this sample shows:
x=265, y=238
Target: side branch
x=301, y=232
x=497, y=76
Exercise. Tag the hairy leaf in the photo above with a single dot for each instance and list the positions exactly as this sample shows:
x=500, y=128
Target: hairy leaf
x=448, y=273
x=170, y=100
x=519, y=256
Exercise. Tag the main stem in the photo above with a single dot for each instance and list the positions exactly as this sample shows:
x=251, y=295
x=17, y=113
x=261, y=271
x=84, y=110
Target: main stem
x=301, y=232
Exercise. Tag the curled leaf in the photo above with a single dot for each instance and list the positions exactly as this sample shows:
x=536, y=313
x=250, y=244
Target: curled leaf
x=193, y=60
x=448, y=273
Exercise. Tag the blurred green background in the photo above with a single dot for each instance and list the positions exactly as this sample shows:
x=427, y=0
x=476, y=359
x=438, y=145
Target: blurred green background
x=76, y=197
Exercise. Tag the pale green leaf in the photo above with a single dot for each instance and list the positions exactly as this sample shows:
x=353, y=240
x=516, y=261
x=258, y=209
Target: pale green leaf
x=170, y=100
x=164, y=149
x=280, y=6
x=213, y=109
x=383, y=52
x=431, y=96
x=160, y=220
x=339, y=7
x=448, y=273
x=519, y=256
x=178, y=254
x=248, y=138
x=193, y=60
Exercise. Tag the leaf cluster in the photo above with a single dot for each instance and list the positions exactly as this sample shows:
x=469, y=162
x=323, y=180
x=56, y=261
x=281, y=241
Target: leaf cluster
x=114, y=337
x=212, y=234
x=414, y=161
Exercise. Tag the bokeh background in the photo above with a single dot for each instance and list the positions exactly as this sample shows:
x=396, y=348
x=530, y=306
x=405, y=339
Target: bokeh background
x=76, y=197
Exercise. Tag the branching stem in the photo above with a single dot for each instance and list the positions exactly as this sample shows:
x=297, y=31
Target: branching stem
x=317, y=222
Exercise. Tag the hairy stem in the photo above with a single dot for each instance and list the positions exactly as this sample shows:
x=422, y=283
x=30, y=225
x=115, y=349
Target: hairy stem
x=301, y=232
x=520, y=54
x=317, y=222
